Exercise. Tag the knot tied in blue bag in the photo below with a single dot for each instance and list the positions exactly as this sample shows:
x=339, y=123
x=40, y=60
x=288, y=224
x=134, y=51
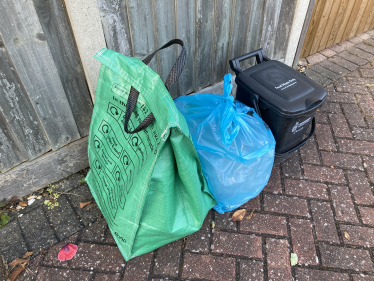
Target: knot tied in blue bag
x=235, y=147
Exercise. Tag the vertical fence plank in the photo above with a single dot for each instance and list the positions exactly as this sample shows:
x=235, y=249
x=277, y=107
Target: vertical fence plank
x=143, y=30
x=370, y=17
x=361, y=20
x=336, y=22
x=321, y=26
x=352, y=19
x=165, y=28
x=269, y=29
x=313, y=27
x=204, y=42
x=113, y=15
x=185, y=21
x=26, y=43
x=329, y=24
x=222, y=38
x=344, y=22
x=358, y=17
x=56, y=28
x=10, y=152
x=239, y=29
x=18, y=110
x=286, y=18
x=254, y=30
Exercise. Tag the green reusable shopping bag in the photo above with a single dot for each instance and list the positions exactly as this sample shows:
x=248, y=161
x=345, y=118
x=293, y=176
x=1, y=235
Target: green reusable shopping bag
x=145, y=173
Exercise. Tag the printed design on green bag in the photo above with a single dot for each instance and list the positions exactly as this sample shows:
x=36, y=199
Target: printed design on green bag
x=111, y=138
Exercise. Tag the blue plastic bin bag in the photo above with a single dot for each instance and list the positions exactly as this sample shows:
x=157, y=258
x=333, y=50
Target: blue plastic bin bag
x=235, y=147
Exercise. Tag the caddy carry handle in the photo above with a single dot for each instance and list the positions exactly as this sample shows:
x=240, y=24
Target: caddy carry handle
x=170, y=81
x=260, y=57
x=300, y=144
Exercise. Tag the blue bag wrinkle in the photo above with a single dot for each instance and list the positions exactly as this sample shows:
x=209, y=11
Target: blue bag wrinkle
x=236, y=149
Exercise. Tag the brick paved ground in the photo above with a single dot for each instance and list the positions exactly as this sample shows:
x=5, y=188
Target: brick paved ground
x=313, y=199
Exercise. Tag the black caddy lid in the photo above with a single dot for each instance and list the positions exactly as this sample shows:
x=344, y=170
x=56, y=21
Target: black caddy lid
x=281, y=87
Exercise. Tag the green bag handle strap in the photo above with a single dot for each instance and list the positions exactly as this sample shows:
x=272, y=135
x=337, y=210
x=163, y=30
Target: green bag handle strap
x=170, y=81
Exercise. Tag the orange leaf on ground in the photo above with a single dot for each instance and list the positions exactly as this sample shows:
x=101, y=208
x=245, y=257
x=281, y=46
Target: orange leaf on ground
x=15, y=273
x=23, y=204
x=239, y=215
x=27, y=255
x=346, y=235
x=84, y=204
x=17, y=262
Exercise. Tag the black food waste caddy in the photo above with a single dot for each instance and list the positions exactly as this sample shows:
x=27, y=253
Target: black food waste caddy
x=283, y=97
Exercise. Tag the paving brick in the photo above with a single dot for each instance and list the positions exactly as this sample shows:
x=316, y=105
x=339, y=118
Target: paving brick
x=96, y=232
x=355, y=73
x=360, y=53
x=346, y=86
x=199, y=241
x=138, y=268
x=303, y=242
x=167, y=259
x=370, y=32
x=107, y=277
x=365, y=48
x=324, y=174
x=325, y=72
x=343, y=63
x=367, y=72
x=274, y=183
x=337, y=48
x=253, y=204
x=361, y=81
x=370, y=121
x=223, y=221
x=237, y=244
x=362, y=277
x=315, y=76
x=87, y=215
x=360, y=187
x=33, y=266
x=340, y=126
x=354, y=115
x=278, y=259
x=363, y=36
x=343, y=205
x=251, y=270
x=262, y=223
x=355, y=146
x=329, y=107
x=346, y=44
x=334, y=67
x=315, y=58
x=358, y=235
x=363, y=134
x=306, y=189
x=338, y=257
x=367, y=104
x=51, y=258
x=324, y=223
x=355, y=39
x=208, y=267
x=324, y=137
x=328, y=52
x=367, y=215
x=286, y=205
x=291, y=166
x=38, y=232
x=369, y=165
x=348, y=161
x=109, y=238
x=321, y=117
x=305, y=274
x=98, y=257
x=309, y=152
x=352, y=58
x=49, y=274
x=340, y=97
x=12, y=244
x=63, y=219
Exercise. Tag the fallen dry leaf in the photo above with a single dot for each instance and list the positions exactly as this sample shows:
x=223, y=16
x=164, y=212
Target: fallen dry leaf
x=332, y=167
x=213, y=225
x=346, y=235
x=23, y=204
x=84, y=204
x=27, y=255
x=17, y=262
x=250, y=215
x=294, y=259
x=369, y=85
x=15, y=273
x=239, y=215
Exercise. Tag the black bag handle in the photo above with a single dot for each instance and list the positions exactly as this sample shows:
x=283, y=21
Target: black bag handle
x=260, y=57
x=173, y=76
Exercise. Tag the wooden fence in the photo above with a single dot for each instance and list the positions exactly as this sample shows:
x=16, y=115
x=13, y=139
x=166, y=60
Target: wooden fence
x=47, y=69
x=336, y=20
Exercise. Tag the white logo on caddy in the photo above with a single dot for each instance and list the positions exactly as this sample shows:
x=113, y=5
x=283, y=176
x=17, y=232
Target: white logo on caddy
x=299, y=126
